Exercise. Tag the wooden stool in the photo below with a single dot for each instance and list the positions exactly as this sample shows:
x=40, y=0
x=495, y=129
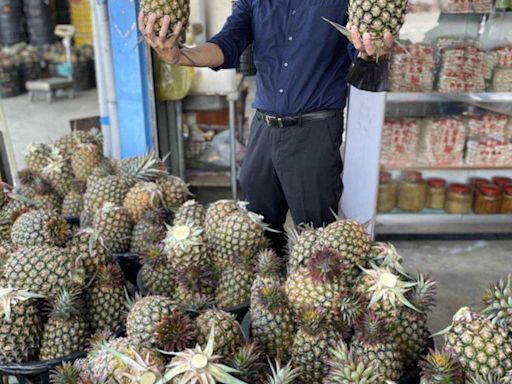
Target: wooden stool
x=49, y=87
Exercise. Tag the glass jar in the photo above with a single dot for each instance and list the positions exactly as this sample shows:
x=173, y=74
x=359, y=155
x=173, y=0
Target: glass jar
x=436, y=193
x=458, y=199
x=387, y=193
x=488, y=200
x=506, y=204
x=476, y=183
x=412, y=192
x=501, y=181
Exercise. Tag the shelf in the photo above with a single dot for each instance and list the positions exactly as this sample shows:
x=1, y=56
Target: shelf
x=434, y=97
x=451, y=168
x=209, y=179
x=436, y=222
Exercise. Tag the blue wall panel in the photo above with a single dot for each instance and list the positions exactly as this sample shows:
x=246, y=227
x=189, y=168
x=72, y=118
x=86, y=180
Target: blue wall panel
x=131, y=78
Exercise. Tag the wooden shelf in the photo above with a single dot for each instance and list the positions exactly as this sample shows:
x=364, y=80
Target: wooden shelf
x=448, y=168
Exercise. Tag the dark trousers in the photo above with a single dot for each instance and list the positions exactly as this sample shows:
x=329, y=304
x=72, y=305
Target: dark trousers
x=294, y=168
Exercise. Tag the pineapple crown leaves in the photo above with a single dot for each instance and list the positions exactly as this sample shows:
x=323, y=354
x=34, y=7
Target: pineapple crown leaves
x=10, y=296
x=372, y=328
x=130, y=300
x=99, y=339
x=497, y=300
x=441, y=367
x=423, y=294
x=326, y=265
x=247, y=360
x=386, y=256
x=66, y=305
x=142, y=168
x=153, y=254
x=175, y=332
x=268, y=263
x=293, y=235
x=351, y=308
x=27, y=177
x=199, y=365
x=58, y=229
x=386, y=286
x=42, y=187
x=65, y=374
x=142, y=368
x=282, y=374
x=194, y=278
x=272, y=297
x=463, y=315
x=311, y=319
x=110, y=275
x=484, y=379
x=345, y=367
x=183, y=237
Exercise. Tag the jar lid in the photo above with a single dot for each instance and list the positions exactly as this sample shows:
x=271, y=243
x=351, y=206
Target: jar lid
x=460, y=188
x=501, y=181
x=490, y=190
x=385, y=177
x=412, y=175
x=479, y=181
x=437, y=183
x=508, y=189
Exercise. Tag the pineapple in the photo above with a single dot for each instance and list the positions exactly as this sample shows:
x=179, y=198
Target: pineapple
x=268, y=271
x=272, y=322
x=282, y=374
x=86, y=219
x=39, y=227
x=351, y=240
x=43, y=269
x=27, y=179
x=234, y=286
x=140, y=197
x=411, y=328
x=311, y=345
x=320, y=284
x=372, y=344
x=85, y=159
x=66, y=374
x=229, y=333
x=87, y=247
x=386, y=256
x=114, y=224
x=6, y=248
x=143, y=318
x=141, y=168
x=484, y=379
x=302, y=243
x=44, y=196
x=497, y=303
x=157, y=275
x=73, y=203
x=178, y=10
x=109, y=189
x=136, y=367
x=192, y=213
x=148, y=232
x=186, y=246
x=105, y=299
x=37, y=156
x=20, y=325
x=175, y=191
x=200, y=365
x=59, y=173
x=66, y=145
x=175, y=332
x=240, y=236
x=345, y=368
x=195, y=288
x=440, y=368
x=216, y=213
x=247, y=361
x=67, y=329
x=14, y=207
x=479, y=345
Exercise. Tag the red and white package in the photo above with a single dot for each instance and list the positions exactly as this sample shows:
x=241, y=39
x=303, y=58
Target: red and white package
x=400, y=139
x=466, y=6
x=503, y=56
x=490, y=151
x=463, y=69
x=412, y=68
x=502, y=80
x=487, y=125
x=442, y=142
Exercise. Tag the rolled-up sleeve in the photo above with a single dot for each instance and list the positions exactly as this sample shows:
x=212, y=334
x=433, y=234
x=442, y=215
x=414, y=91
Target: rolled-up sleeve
x=236, y=35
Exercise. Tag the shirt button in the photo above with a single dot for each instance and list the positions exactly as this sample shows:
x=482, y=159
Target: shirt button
x=281, y=91
x=290, y=38
x=294, y=12
x=285, y=64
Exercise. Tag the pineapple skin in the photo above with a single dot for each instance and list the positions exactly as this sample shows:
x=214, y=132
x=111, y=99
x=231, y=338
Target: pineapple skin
x=59, y=174
x=234, y=287
x=158, y=278
x=302, y=249
x=85, y=159
x=20, y=336
x=228, y=332
x=39, y=227
x=146, y=235
x=190, y=213
x=115, y=226
x=62, y=338
x=385, y=356
x=140, y=197
x=178, y=10
x=72, y=205
x=216, y=213
x=109, y=189
x=37, y=156
x=411, y=331
x=91, y=257
x=175, y=191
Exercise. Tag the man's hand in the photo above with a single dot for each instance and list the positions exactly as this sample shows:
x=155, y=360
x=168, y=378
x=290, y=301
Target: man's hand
x=366, y=47
x=166, y=46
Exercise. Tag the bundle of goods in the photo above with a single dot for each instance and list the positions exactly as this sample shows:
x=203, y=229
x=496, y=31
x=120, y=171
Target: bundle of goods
x=400, y=140
x=487, y=125
x=489, y=151
x=412, y=68
x=442, y=141
x=82, y=60
x=466, y=6
x=464, y=66
x=28, y=60
x=10, y=77
x=502, y=76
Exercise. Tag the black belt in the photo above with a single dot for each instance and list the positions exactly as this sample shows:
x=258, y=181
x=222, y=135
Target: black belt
x=289, y=121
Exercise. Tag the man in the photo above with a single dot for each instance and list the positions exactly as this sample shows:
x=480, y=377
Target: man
x=293, y=157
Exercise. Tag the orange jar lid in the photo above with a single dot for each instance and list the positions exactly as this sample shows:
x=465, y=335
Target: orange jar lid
x=508, y=189
x=437, y=183
x=490, y=190
x=460, y=188
x=501, y=181
x=412, y=175
x=479, y=181
x=385, y=177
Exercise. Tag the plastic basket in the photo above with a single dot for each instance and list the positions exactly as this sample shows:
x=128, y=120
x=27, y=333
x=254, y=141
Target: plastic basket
x=195, y=149
x=10, y=82
x=130, y=265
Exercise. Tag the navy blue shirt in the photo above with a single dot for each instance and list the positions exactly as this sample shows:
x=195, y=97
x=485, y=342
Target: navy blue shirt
x=302, y=61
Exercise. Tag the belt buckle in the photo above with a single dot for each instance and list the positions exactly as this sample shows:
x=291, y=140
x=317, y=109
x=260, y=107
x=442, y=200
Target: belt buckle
x=270, y=119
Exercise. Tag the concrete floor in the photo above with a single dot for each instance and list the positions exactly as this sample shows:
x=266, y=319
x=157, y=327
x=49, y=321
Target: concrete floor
x=42, y=122
x=462, y=268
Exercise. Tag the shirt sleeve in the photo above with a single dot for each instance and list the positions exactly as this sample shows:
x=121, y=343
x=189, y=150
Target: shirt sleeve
x=236, y=35
x=352, y=52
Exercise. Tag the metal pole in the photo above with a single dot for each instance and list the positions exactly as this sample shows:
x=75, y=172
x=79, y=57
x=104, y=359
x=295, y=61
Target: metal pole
x=181, y=149
x=232, y=139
